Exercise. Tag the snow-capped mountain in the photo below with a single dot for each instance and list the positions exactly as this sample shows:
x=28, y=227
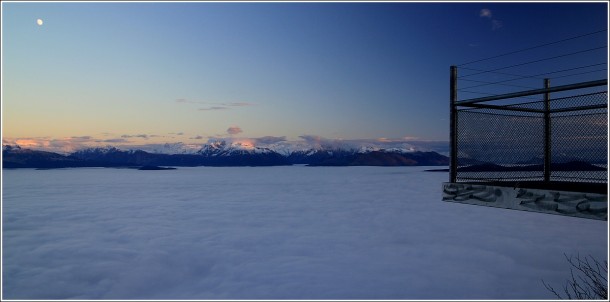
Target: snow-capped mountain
x=323, y=154
x=221, y=152
x=113, y=156
x=13, y=156
x=288, y=148
x=97, y=151
x=9, y=148
x=224, y=148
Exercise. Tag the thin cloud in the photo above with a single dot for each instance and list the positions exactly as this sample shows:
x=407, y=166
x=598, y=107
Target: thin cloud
x=234, y=130
x=196, y=137
x=60, y=145
x=267, y=140
x=185, y=101
x=485, y=13
x=144, y=136
x=396, y=140
x=312, y=139
x=496, y=24
x=215, y=105
x=28, y=142
x=318, y=141
x=114, y=140
x=213, y=108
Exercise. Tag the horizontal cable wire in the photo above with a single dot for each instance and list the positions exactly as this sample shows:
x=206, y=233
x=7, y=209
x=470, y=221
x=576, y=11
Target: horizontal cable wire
x=582, y=95
x=524, y=103
x=575, y=68
x=474, y=111
x=581, y=73
x=487, y=71
x=533, y=47
x=536, y=61
x=536, y=76
x=495, y=83
x=489, y=94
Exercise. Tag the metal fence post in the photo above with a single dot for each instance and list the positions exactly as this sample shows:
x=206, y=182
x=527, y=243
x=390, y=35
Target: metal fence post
x=453, y=124
x=547, y=132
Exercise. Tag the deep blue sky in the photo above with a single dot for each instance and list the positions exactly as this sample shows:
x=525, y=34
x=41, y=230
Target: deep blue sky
x=337, y=70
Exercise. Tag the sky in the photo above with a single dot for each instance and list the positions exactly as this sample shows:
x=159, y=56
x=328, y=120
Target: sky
x=142, y=73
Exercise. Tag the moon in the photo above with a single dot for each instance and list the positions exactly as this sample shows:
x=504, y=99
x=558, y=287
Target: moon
x=39, y=22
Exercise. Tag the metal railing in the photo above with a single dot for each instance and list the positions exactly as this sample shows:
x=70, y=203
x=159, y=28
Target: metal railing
x=509, y=137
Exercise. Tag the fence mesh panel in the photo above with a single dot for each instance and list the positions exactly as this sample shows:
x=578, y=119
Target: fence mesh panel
x=507, y=145
x=579, y=139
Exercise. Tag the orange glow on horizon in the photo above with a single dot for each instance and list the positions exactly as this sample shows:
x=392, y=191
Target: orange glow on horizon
x=31, y=143
x=244, y=143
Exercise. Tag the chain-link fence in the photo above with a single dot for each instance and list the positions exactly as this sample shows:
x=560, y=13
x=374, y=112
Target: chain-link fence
x=513, y=138
x=580, y=138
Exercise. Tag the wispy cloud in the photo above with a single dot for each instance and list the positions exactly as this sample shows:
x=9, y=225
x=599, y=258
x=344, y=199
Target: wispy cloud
x=60, y=145
x=312, y=139
x=28, y=142
x=496, y=24
x=86, y=137
x=144, y=136
x=485, y=13
x=322, y=142
x=234, y=130
x=267, y=140
x=212, y=106
x=397, y=140
x=114, y=140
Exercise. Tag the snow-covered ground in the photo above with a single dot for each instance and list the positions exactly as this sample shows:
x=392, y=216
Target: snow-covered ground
x=274, y=233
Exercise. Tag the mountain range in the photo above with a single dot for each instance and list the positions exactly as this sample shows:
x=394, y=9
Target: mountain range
x=221, y=153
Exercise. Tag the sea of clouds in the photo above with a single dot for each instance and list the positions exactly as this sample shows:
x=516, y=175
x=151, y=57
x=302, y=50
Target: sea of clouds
x=274, y=233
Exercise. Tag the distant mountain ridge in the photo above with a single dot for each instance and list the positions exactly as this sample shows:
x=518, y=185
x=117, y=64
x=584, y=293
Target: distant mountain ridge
x=221, y=153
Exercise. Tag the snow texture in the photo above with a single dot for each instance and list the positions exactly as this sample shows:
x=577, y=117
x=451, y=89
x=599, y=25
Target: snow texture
x=290, y=232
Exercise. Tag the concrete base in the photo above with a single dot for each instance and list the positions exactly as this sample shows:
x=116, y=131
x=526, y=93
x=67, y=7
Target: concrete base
x=575, y=204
